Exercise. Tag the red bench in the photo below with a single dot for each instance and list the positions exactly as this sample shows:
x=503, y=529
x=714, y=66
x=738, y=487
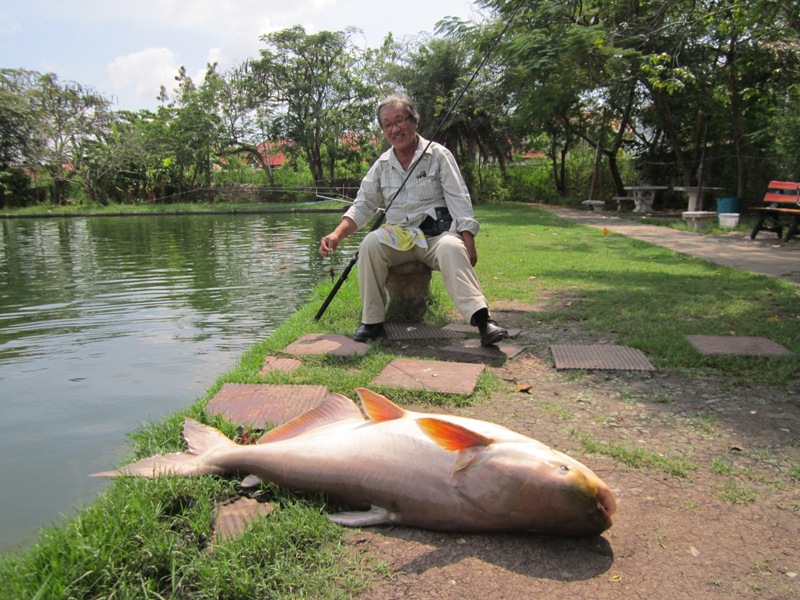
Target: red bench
x=783, y=209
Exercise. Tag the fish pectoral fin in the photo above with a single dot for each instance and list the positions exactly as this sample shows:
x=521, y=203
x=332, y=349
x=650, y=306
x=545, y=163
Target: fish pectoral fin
x=365, y=518
x=452, y=437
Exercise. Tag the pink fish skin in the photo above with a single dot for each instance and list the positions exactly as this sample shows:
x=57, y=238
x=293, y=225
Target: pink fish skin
x=431, y=471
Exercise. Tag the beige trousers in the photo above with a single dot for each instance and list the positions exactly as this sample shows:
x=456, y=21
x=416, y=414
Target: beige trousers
x=445, y=253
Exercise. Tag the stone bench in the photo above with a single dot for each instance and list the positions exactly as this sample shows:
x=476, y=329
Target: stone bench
x=594, y=204
x=408, y=292
x=624, y=203
x=699, y=219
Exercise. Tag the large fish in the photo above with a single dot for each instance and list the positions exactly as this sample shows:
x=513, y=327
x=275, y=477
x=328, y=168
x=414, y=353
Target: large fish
x=422, y=470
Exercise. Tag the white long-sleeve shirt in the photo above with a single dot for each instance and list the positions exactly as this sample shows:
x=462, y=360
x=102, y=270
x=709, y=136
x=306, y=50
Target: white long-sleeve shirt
x=435, y=182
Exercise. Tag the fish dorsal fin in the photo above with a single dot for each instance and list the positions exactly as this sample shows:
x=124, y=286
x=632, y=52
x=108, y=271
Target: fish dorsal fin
x=450, y=436
x=334, y=407
x=379, y=408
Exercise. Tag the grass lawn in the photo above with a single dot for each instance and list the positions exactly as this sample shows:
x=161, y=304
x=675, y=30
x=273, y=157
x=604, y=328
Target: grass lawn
x=148, y=539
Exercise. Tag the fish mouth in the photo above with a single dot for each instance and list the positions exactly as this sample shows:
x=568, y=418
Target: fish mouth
x=606, y=505
x=606, y=501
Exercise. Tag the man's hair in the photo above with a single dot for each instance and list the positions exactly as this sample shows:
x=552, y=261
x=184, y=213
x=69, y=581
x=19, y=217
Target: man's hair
x=401, y=100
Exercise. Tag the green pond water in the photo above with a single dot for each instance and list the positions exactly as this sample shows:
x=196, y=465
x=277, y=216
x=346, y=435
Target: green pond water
x=110, y=322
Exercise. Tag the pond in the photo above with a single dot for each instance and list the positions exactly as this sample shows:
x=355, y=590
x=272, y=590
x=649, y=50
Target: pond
x=107, y=323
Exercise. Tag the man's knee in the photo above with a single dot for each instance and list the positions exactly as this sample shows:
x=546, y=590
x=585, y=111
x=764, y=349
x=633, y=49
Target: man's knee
x=370, y=242
x=450, y=245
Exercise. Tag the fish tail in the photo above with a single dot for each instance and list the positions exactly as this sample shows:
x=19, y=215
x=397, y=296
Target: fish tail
x=201, y=441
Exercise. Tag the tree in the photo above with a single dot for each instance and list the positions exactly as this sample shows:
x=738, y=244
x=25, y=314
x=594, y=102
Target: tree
x=245, y=120
x=16, y=131
x=310, y=83
x=194, y=134
x=543, y=75
x=67, y=116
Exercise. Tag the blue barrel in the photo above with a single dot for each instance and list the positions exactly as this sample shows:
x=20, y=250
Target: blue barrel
x=728, y=205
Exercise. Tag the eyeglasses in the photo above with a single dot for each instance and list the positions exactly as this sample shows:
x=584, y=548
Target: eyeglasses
x=398, y=123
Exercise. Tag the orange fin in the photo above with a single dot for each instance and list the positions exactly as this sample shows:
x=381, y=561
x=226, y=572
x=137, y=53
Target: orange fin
x=379, y=408
x=450, y=436
x=334, y=407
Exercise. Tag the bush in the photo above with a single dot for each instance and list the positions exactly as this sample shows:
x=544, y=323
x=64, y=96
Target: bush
x=15, y=188
x=488, y=185
x=531, y=182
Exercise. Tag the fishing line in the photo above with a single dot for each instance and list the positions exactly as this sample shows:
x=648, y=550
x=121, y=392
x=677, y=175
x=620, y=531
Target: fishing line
x=379, y=219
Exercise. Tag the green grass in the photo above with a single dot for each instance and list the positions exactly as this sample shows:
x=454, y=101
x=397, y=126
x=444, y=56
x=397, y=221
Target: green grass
x=149, y=539
x=639, y=458
x=651, y=297
x=722, y=466
x=146, y=208
x=736, y=492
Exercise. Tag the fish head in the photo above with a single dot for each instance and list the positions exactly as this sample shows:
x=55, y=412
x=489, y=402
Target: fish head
x=530, y=487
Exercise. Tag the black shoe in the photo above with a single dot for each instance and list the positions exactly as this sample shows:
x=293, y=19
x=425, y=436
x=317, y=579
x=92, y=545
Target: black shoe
x=366, y=333
x=491, y=333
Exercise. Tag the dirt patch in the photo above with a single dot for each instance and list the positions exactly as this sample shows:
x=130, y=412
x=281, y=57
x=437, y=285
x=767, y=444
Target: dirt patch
x=724, y=524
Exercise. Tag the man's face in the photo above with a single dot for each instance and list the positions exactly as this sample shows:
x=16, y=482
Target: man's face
x=400, y=129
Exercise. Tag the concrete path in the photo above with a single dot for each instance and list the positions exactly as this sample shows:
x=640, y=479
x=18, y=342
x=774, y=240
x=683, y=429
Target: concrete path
x=765, y=255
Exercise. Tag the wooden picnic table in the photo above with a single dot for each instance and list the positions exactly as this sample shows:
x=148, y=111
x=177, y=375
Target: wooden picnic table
x=695, y=203
x=643, y=196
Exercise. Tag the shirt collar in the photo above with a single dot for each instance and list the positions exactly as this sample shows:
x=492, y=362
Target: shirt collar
x=422, y=144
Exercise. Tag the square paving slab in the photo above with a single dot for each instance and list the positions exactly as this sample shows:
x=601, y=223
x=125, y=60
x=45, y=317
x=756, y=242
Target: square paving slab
x=471, y=350
x=258, y=404
x=743, y=345
x=276, y=363
x=233, y=518
x=418, y=331
x=319, y=343
x=436, y=376
x=600, y=356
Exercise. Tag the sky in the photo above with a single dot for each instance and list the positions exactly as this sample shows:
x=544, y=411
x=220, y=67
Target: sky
x=126, y=50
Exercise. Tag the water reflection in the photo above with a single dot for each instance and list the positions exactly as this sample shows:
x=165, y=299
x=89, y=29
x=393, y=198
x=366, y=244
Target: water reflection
x=106, y=323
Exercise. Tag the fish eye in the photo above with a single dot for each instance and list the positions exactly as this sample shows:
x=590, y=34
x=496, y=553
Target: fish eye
x=564, y=469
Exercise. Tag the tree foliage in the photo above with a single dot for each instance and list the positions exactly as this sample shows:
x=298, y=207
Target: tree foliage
x=695, y=92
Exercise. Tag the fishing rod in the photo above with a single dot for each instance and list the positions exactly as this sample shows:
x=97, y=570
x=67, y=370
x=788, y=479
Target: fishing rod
x=382, y=214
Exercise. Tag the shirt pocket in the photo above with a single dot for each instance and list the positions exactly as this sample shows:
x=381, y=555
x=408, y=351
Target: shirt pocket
x=428, y=187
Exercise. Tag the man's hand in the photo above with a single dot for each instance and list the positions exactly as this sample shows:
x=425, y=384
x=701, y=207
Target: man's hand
x=329, y=243
x=469, y=242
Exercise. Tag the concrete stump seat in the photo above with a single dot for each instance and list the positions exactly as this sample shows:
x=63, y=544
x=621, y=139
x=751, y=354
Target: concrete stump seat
x=408, y=291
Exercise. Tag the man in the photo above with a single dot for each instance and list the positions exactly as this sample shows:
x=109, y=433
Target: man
x=430, y=220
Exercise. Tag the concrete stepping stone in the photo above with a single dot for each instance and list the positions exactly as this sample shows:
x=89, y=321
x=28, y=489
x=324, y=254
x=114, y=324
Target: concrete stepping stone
x=319, y=343
x=276, y=363
x=607, y=357
x=436, y=376
x=471, y=350
x=418, y=331
x=233, y=518
x=709, y=345
x=256, y=404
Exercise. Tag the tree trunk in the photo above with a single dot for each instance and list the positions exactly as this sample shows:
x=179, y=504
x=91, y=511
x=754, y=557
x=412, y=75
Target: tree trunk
x=737, y=126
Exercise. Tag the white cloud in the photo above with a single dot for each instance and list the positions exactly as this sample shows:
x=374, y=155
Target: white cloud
x=138, y=76
x=229, y=19
x=139, y=46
